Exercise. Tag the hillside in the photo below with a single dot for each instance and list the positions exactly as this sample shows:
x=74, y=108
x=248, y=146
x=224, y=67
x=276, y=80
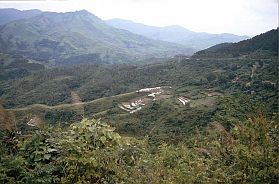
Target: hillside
x=14, y=66
x=79, y=37
x=10, y=14
x=176, y=34
x=201, y=91
x=196, y=86
x=181, y=120
x=262, y=45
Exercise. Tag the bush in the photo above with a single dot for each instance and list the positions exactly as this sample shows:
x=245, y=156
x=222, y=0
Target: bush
x=91, y=152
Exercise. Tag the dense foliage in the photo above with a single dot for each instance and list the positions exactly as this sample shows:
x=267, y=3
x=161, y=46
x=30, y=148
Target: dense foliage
x=259, y=46
x=163, y=120
x=53, y=86
x=15, y=66
x=91, y=152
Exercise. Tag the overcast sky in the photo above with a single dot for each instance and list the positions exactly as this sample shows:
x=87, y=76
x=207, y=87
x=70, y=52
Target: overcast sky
x=243, y=17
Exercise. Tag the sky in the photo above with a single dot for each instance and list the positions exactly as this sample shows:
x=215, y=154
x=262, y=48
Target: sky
x=242, y=17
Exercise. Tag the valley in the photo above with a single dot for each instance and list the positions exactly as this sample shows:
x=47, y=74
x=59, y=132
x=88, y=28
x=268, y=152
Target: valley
x=185, y=91
x=128, y=102
x=83, y=100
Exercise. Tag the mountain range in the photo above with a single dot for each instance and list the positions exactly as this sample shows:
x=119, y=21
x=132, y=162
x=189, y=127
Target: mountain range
x=81, y=37
x=75, y=37
x=176, y=34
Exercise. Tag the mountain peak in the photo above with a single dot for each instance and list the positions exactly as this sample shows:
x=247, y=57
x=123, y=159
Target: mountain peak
x=83, y=11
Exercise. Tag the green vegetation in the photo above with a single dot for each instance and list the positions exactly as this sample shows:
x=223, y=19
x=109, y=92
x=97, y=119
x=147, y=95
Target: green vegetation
x=53, y=86
x=90, y=152
x=163, y=120
x=263, y=45
x=198, y=120
x=12, y=67
x=83, y=38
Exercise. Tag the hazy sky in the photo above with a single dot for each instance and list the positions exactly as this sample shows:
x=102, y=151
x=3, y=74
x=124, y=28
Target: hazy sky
x=244, y=17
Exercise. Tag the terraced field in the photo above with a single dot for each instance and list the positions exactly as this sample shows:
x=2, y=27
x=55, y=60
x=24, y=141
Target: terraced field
x=118, y=107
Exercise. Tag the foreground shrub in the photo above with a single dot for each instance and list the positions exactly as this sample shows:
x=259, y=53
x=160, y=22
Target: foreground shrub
x=91, y=152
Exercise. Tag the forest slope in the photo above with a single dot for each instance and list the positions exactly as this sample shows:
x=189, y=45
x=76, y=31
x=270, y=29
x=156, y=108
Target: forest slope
x=263, y=45
x=79, y=37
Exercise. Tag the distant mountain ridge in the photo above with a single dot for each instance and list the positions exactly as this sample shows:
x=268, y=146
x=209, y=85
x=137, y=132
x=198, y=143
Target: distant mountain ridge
x=265, y=44
x=176, y=34
x=10, y=14
x=59, y=38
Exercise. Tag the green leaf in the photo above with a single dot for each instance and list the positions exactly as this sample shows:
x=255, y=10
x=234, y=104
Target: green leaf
x=38, y=157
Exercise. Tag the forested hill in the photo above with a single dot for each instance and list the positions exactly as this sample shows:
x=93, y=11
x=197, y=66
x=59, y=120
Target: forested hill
x=266, y=42
x=79, y=37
